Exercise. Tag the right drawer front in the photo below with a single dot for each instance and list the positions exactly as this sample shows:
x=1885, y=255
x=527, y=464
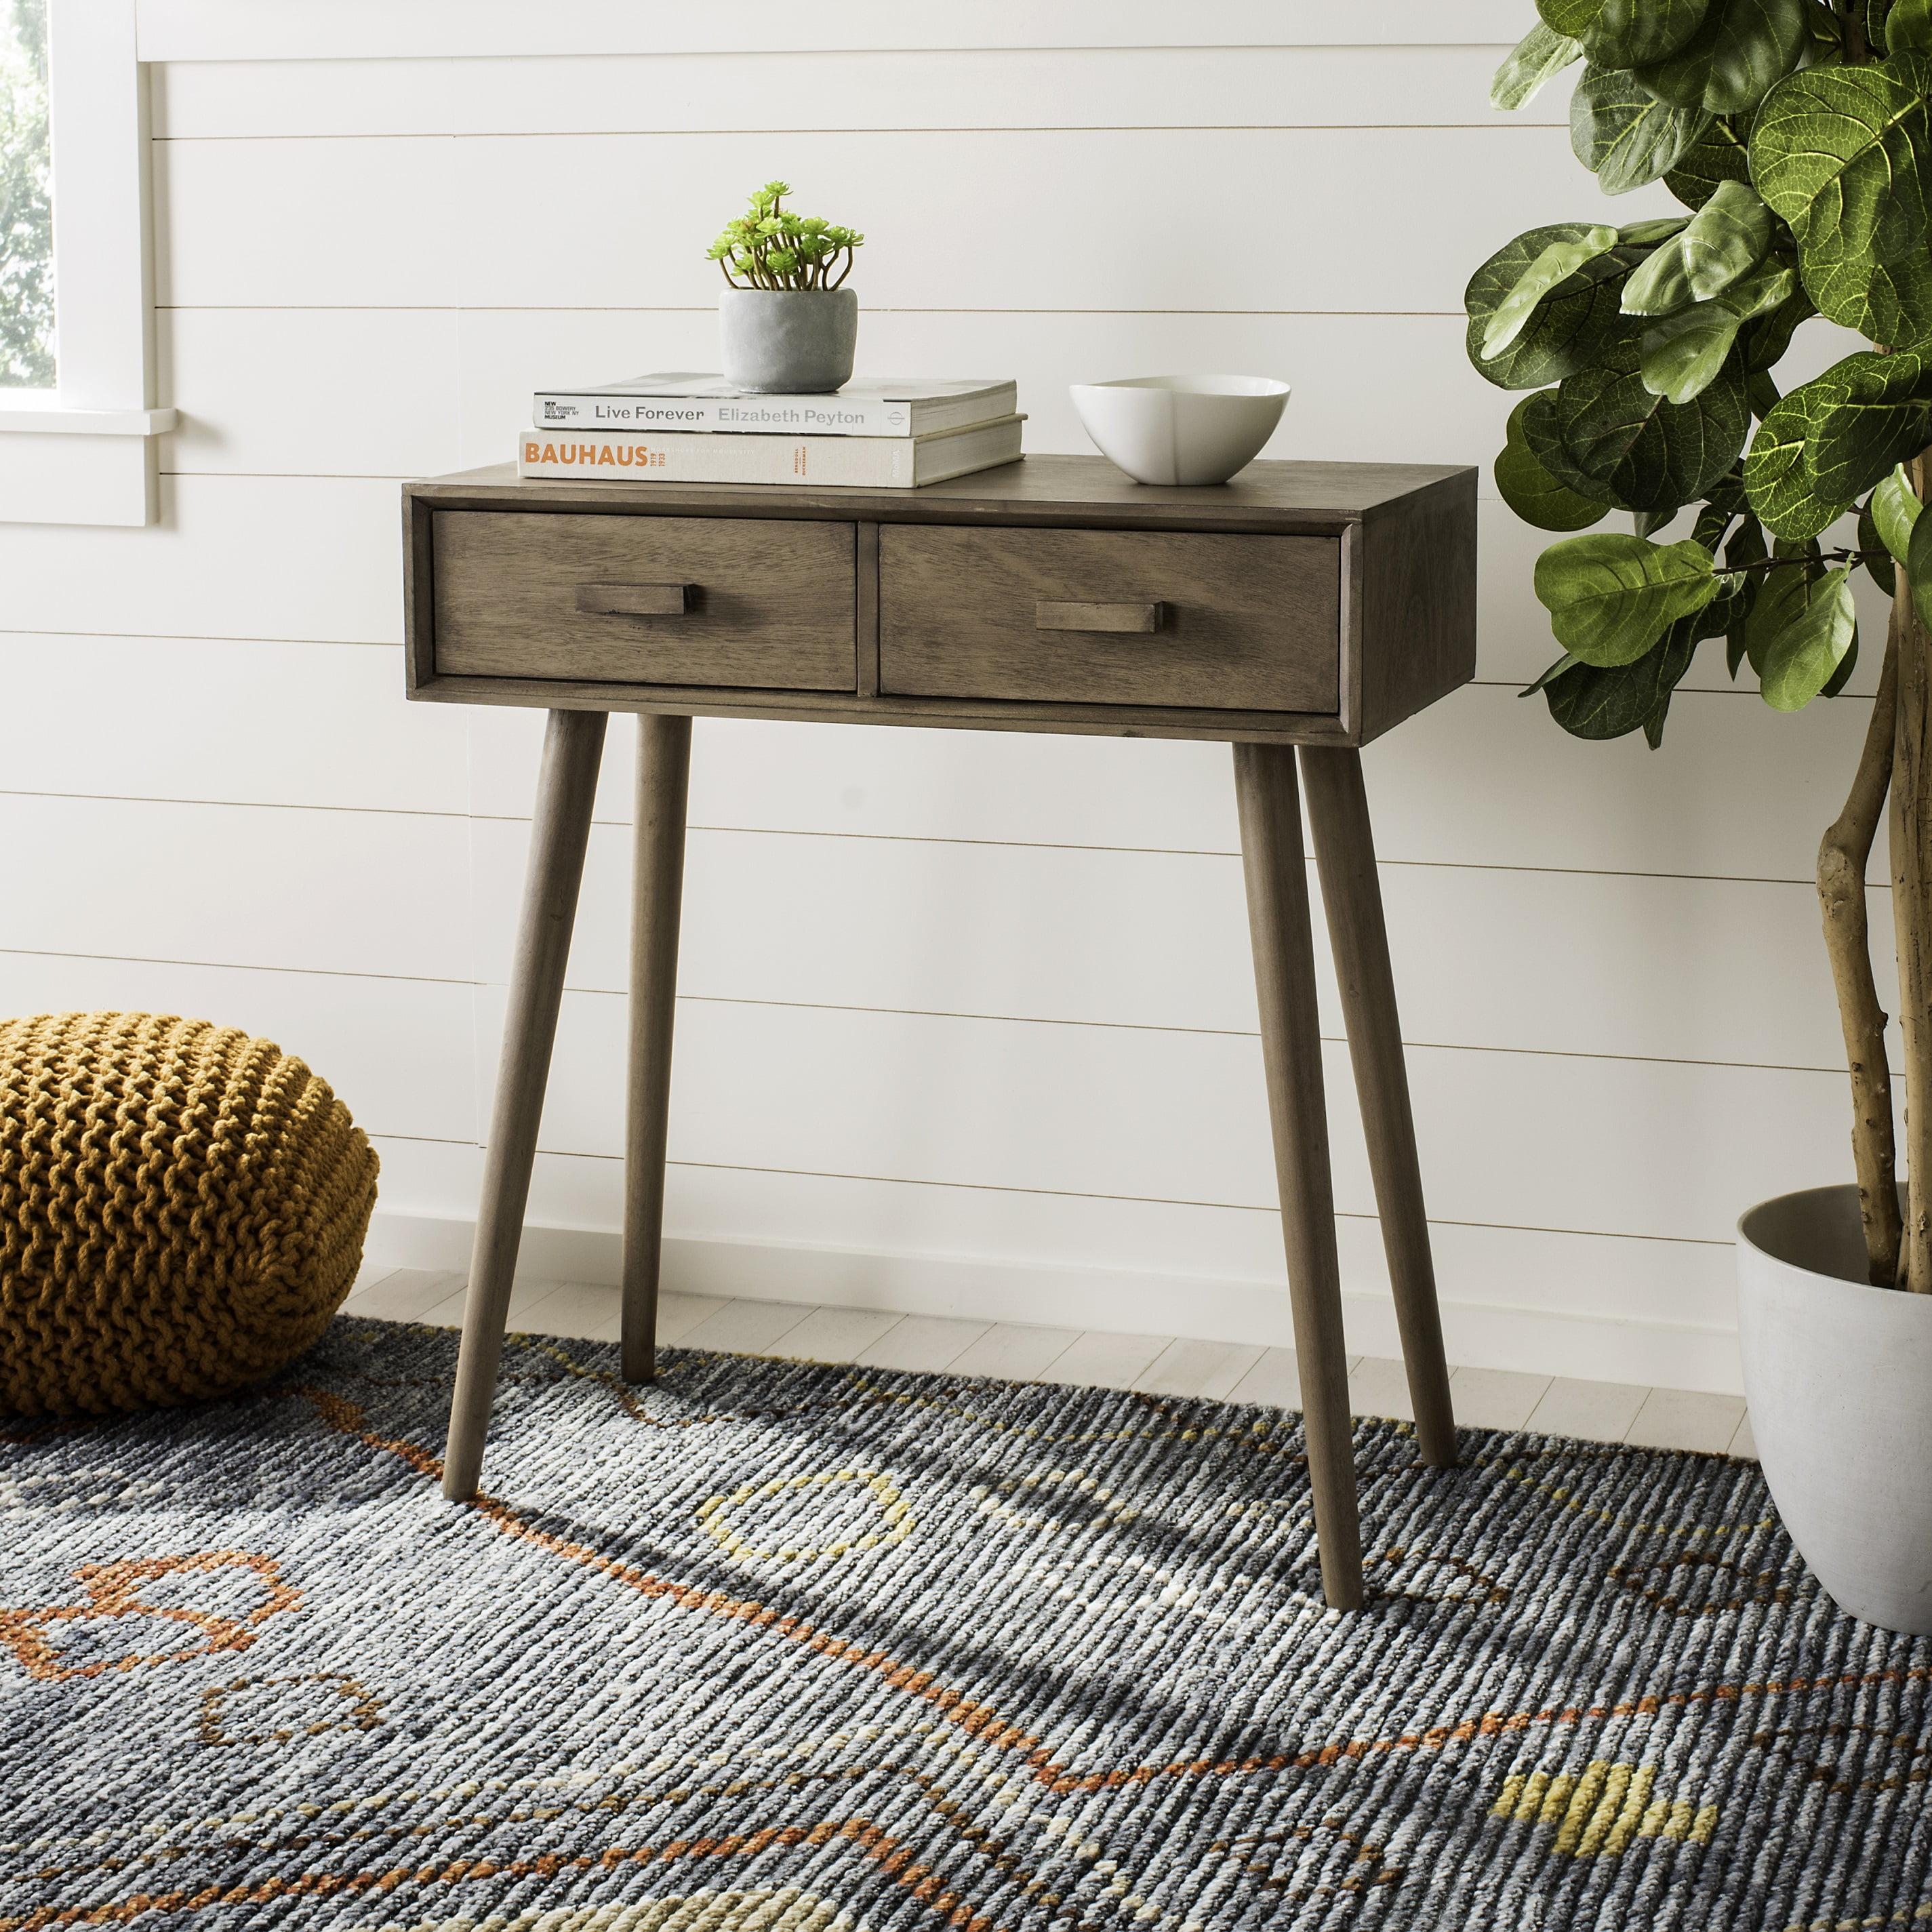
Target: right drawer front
x=1245, y=623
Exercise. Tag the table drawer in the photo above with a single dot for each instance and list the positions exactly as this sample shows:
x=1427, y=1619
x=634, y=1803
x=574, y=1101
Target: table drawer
x=1242, y=623
x=739, y=602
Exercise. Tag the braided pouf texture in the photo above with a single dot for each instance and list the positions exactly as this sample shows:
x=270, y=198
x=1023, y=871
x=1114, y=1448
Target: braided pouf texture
x=182, y=1210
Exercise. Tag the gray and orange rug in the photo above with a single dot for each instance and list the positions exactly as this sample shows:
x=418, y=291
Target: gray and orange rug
x=819, y=1649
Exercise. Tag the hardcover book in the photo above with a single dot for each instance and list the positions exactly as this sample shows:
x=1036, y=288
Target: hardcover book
x=869, y=463
x=871, y=406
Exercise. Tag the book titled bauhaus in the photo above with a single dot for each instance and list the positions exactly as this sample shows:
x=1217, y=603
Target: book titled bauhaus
x=680, y=399
x=856, y=462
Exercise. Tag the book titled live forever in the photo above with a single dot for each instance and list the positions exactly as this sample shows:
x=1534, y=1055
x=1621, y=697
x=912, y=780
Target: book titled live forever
x=872, y=406
x=859, y=462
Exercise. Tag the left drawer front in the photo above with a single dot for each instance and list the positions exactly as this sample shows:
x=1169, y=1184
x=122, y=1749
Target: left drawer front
x=765, y=606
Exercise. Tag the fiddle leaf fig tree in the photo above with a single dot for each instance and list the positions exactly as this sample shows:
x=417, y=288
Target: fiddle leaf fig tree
x=1796, y=136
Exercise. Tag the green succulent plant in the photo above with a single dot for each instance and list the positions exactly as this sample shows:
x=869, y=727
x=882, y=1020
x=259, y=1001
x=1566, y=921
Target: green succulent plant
x=1797, y=136
x=768, y=246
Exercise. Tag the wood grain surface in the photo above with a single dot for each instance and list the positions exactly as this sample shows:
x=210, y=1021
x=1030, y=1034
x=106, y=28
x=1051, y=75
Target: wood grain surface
x=766, y=606
x=1251, y=622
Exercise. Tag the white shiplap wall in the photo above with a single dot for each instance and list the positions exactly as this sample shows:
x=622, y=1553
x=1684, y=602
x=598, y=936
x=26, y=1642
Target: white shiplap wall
x=967, y=1021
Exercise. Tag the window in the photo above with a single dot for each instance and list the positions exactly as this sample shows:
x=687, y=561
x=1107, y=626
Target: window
x=26, y=200
x=77, y=424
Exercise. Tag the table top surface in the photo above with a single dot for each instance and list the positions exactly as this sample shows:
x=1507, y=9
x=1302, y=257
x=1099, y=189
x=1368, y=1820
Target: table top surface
x=1316, y=497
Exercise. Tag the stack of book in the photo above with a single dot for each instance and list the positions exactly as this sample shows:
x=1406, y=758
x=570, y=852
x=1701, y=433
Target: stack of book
x=678, y=428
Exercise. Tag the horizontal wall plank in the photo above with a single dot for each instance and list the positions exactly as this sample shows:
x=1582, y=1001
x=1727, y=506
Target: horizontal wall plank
x=1541, y=962
x=172, y=30
x=313, y=393
x=246, y=721
x=1624, y=1310
x=1051, y=87
x=338, y=892
x=400, y=1054
x=1526, y=1269
x=308, y=558
x=1738, y=791
x=1511, y=1268
x=1508, y=1139
x=550, y=220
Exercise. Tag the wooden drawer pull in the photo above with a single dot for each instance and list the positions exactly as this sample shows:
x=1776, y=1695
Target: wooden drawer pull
x=1052, y=615
x=634, y=600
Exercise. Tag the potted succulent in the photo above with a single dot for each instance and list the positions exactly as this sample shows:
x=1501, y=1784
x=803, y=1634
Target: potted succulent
x=1797, y=137
x=788, y=324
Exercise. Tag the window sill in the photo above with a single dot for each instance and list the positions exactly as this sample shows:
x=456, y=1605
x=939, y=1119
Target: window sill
x=51, y=419
x=75, y=465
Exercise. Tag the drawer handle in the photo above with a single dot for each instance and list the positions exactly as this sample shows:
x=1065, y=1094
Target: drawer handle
x=634, y=600
x=1049, y=615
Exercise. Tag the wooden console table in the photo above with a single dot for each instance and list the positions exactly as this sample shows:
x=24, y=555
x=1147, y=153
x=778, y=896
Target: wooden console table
x=1304, y=606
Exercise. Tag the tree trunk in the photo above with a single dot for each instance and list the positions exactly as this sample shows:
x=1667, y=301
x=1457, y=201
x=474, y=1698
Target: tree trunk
x=1842, y=860
x=1912, y=915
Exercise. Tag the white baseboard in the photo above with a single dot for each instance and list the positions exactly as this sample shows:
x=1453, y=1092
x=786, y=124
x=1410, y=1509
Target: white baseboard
x=1480, y=1334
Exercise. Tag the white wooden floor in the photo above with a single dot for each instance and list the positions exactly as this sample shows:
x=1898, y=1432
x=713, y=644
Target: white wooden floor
x=1159, y=1364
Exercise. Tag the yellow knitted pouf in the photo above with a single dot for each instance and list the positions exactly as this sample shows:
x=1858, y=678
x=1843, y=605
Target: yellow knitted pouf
x=181, y=1210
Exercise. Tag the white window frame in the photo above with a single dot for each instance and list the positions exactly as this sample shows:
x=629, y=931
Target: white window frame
x=84, y=450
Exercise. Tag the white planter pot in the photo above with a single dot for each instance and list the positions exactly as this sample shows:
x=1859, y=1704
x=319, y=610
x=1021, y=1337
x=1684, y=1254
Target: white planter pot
x=1838, y=1375
x=788, y=342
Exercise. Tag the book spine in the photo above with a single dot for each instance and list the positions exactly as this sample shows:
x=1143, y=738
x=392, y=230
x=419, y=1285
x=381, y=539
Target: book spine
x=612, y=456
x=753, y=415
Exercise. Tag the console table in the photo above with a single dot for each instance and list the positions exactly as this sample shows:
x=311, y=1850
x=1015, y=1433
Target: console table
x=1304, y=608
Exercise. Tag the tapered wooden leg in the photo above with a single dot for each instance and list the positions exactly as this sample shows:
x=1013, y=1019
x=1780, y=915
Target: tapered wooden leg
x=1277, y=882
x=657, y=894
x=566, y=788
x=1345, y=851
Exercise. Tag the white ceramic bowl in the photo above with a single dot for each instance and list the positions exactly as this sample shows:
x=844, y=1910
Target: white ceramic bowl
x=1180, y=429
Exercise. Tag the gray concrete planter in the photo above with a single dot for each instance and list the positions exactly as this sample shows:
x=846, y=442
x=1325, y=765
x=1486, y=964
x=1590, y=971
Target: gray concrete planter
x=1838, y=1375
x=788, y=341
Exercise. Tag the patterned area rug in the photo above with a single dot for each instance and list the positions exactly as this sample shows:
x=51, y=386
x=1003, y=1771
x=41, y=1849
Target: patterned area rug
x=818, y=1649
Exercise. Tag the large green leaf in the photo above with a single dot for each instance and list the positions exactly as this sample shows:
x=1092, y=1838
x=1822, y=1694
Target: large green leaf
x=1624, y=134
x=1570, y=328
x=1866, y=414
x=1589, y=703
x=1840, y=152
x=1884, y=302
x=1539, y=55
x=1760, y=42
x=1726, y=239
x=1611, y=597
x=1556, y=265
x=1775, y=478
x=1539, y=423
x=1799, y=632
x=1660, y=284
x=1744, y=48
x=1908, y=26
x=1683, y=353
x=1877, y=558
x=1625, y=33
x=1918, y=568
x=1650, y=453
x=1895, y=511
x=1529, y=489
x=1720, y=154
